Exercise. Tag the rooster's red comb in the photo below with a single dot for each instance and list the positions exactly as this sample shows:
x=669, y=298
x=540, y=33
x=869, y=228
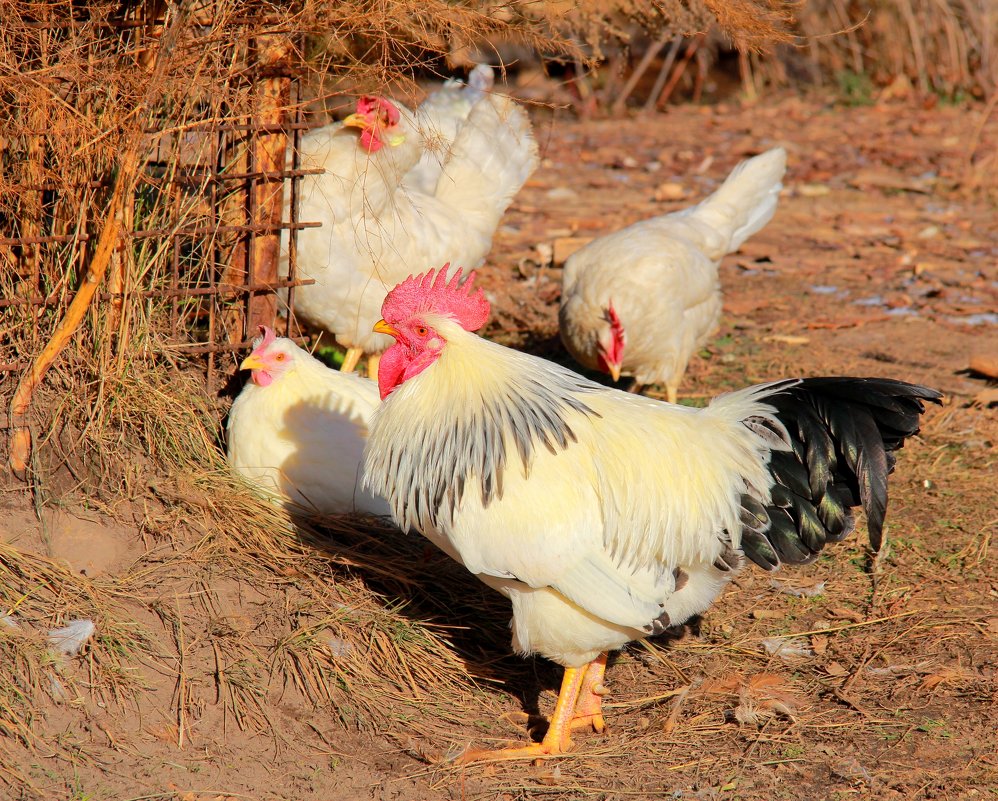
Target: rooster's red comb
x=432, y=292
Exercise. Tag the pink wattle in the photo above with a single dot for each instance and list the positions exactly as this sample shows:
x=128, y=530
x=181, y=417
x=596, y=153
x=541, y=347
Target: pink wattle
x=261, y=378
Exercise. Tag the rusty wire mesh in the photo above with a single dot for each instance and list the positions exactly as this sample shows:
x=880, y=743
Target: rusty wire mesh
x=193, y=241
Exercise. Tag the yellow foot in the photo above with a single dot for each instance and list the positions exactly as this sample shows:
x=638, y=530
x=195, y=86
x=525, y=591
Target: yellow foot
x=532, y=751
x=350, y=360
x=589, y=707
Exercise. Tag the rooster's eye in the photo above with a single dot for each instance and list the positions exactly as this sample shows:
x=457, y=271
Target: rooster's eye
x=421, y=330
x=280, y=357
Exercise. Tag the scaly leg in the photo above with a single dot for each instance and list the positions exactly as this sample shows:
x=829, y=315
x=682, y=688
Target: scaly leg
x=372, y=365
x=672, y=393
x=589, y=708
x=350, y=360
x=558, y=739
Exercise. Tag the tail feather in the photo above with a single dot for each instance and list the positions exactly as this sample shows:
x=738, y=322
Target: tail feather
x=843, y=433
x=746, y=201
x=492, y=156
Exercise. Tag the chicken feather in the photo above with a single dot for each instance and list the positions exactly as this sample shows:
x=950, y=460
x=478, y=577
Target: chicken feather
x=612, y=494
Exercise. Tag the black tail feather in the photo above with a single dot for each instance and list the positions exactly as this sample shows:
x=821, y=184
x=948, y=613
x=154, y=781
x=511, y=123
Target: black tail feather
x=843, y=432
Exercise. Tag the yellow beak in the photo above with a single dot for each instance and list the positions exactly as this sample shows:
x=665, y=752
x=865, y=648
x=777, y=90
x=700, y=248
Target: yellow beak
x=382, y=327
x=355, y=121
x=615, y=372
x=251, y=362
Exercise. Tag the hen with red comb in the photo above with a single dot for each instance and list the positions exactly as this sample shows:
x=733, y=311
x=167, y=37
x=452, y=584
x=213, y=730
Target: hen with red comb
x=641, y=301
x=378, y=226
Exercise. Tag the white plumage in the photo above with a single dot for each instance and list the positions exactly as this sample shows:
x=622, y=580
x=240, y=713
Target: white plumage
x=440, y=117
x=298, y=430
x=606, y=516
x=377, y=227
x=659, y=278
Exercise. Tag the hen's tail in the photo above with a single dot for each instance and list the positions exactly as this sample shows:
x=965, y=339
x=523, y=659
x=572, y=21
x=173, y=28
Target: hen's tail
x=744, y=203
x=492, y=156
x=843, y=433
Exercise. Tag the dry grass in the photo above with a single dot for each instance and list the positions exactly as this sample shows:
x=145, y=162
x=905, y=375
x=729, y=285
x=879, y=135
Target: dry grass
x=943, y=47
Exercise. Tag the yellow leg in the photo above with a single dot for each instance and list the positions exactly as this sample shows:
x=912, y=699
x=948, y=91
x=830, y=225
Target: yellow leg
x=350, y=360
x=635, y=388
x=558, y=739
x=589, y=707
x=672, y=393
x=372, y=365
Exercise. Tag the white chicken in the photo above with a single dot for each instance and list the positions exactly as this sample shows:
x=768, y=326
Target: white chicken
x=606, y=516
x=440, y=117
x=642, y=300
x=298, y=429
x=376, y=227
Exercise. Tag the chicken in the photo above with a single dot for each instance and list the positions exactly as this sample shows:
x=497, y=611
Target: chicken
x=606, y=516
x=376, y=227
x=298, y=429
x=642, y=300
x=440, y=117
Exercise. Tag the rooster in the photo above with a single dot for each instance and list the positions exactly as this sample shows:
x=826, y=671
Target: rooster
x=298, y=429
x=642, y=300
x=606, y=516
x=376, y=226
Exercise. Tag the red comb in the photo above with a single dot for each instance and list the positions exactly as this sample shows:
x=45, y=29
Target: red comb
x=432, y=292
x=613, y=319
x=369, y=104
x=266, y=337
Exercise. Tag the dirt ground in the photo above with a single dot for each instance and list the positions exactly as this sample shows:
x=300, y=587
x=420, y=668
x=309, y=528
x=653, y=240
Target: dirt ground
x=882, y=260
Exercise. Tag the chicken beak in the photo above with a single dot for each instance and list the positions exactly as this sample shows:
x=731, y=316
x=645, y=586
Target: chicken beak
x=252, y=362
x=614, y=371
x=356, y=121
x=382, y=327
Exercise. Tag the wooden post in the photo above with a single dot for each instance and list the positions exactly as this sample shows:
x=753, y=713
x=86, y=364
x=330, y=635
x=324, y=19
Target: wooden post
x=270, y=153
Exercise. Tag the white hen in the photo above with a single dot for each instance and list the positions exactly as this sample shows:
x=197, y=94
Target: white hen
x=640, y=301
x=440, y=117
x=376, y=229
x=298, y=429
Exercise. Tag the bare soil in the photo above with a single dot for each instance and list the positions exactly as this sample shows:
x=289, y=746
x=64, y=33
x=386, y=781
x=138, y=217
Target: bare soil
x=882, y=260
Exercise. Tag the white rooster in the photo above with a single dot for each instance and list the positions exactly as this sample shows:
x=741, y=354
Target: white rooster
x=298, y=429
x=377, y=227
x=606, y=516
x=642, y=300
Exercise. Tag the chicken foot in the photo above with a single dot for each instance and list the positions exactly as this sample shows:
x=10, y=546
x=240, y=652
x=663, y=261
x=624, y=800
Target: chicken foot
x=589, y=707
x=579, y=705
x=558, y=739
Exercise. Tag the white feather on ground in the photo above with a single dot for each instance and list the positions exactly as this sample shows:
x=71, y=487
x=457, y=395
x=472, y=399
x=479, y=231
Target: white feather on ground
x=70, y=639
